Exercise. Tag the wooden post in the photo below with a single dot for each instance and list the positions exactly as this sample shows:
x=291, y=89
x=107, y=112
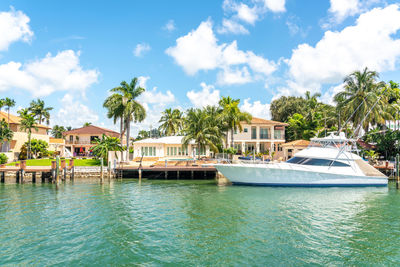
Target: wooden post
x=17, y=177
x=64, y=168
x=192, y=174
x=3, y=177
x=109, y=170
x=22, y=170
x=53, y=170
x=177, y=174
x=101, y=170
x=43, y=177
x=33, y=177
x=72, y=169
x=140, y=174
x=166, y=174
x=57, y=169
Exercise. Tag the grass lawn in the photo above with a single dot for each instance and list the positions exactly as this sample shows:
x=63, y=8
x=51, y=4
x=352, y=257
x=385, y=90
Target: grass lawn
x=47, y=162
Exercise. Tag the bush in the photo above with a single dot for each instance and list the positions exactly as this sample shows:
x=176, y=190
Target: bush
x=3, y=158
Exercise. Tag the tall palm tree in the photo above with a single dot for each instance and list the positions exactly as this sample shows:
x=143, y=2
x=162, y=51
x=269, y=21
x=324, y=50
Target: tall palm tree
x=115, y=111
x=232, y=115
x=57, y=131
x=9, y=103
x=2, y=104
x=27, y=123
x=198, y=128
x=127, y=102
x=361, y=92
x=41, y=113
x=6, y=134
x=172, y=121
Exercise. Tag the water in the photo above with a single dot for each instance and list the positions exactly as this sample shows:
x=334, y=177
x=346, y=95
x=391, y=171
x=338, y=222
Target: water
x=196, y=223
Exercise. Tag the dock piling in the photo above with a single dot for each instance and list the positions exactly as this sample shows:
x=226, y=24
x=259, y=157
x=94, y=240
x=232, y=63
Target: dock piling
x=57, y=170
x=53, y=171
x=64, y=168
x=72, y=169
x=3, y=177
x=101, y=170
x=34, y=177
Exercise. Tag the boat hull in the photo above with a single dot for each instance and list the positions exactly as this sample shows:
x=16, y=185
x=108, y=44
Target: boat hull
x=264, y=175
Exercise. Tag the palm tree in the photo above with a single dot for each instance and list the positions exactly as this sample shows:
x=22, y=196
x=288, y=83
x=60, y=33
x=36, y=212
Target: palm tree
x=143, y=134
x=104, y=145
x=172, y=121
x=132, y=110
x=232, y=115
x=86, y=124
x=9, y=103
x=27, y=123
x=361, y=92
x=115, y=110
x=40, y=111
x=57, y=131
x=6, y=134
x=2, y=104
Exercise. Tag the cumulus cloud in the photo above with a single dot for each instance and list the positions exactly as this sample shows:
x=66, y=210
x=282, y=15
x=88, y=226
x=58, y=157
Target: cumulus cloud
x=199, y=50
x=170, y=26
x=231, y=26
x=371, y=42
x=275, y=5
x=231, y=76
x=42, y=77
x=141, y=49
x=14, y=26
x=153, y=96
x=74, y=113
x=257, y=109
x=208, y=96
x=341, y=9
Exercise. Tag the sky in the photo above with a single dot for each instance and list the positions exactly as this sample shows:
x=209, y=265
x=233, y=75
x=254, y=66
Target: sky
x=189, y=53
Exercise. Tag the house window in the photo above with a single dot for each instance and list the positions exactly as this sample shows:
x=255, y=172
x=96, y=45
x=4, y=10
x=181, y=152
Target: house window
x=278, y=134
x=264, y=133
x=253, y=132
x=245, y=130
x=71, y=138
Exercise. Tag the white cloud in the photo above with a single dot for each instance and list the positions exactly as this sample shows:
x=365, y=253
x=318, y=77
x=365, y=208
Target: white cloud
x=275, y=5
x=231, y=26
x=152, y=97
x=199, y=50
x=62, y=72
x=327, y=97
x=371, y=43
x=341, y=9
x=141, y=49
x=257, y=109
x=143, y=80
x=73, y=113
x=14, y=26
x=170, y=26
x=237, y=76
x=208, y=96
x=246, y=14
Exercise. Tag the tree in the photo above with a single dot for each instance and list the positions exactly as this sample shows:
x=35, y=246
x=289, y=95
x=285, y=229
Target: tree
x=38, y=147
x=286, y=106
x=198, y=127
x=57, y=131
x=27, y=123
x=115, y=110
x=2, y=104
x=106, y=144
x=143, y=134
x=171, y=122
x=361, y=92
x=9, y=103
x=41, y=113
x=132, y=110
x=86, y=124
x=232, y=115
x=6, y=134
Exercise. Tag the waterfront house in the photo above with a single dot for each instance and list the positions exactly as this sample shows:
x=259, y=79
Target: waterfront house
x=291, y=148
x=78, y=142
x=261, y=135
x=13, y=148
x=167, y=147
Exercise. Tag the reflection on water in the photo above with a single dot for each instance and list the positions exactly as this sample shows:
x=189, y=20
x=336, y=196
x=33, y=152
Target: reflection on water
x=195, y=222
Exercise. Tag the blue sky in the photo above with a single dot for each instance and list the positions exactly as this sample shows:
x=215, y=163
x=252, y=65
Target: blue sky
x=189, y=53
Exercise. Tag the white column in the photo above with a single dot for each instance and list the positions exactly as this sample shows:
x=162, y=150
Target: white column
x=272, y=133
x=243, y=146
x=258, y=147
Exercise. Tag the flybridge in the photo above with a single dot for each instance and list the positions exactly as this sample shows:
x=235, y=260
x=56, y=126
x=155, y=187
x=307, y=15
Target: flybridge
x=335, y=141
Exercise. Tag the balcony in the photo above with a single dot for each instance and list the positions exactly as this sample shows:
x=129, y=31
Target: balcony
x=76, y=142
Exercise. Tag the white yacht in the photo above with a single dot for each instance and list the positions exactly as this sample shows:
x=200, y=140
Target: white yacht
x=328, y=161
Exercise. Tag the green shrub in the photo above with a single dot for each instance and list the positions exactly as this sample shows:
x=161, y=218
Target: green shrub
x=3, y=158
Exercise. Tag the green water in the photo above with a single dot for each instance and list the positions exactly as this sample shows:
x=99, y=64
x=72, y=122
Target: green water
x=194, y=223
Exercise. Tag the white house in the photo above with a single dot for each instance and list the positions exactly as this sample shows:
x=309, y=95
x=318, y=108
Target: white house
x=167, y=147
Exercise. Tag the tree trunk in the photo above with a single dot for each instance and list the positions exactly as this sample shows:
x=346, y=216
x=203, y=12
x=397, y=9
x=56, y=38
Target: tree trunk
x=8, y=117
x=232, y=137
x=29, y=146
x=128, y=131
x=198, y=151
x=121, y=127
x=40, y=119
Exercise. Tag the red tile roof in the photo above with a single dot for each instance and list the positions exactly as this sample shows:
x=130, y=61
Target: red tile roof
x=297, y=143
x=255, y=120
x=17, y=120
x=92, y=130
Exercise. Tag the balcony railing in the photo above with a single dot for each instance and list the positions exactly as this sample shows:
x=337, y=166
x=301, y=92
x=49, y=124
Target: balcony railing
x=79, y=142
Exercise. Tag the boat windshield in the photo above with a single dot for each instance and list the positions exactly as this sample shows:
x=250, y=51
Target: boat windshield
x=316, y=162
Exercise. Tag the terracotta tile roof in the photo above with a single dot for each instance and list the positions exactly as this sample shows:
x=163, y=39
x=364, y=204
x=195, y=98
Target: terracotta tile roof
x=263, y=121
x=56, y=140
x=92, y=130
x=16, y=120
x=297, y=143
